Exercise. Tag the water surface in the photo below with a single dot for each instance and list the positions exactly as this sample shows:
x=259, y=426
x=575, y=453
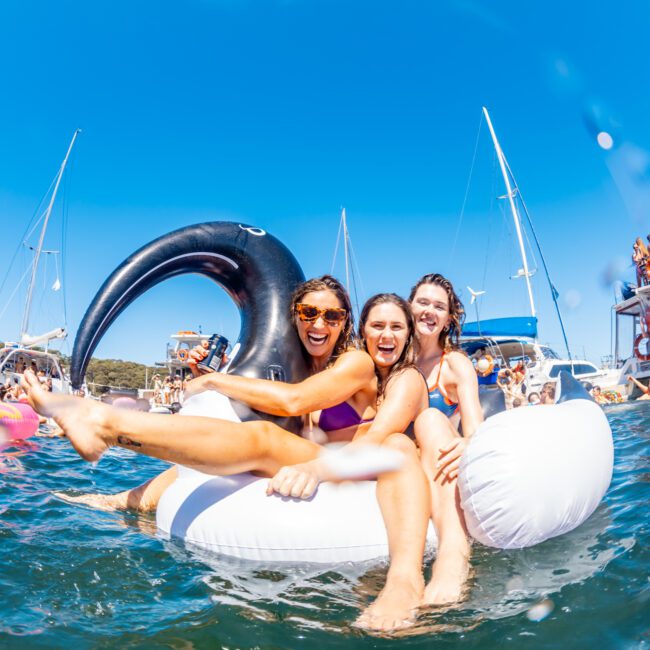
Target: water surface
x=77, y=578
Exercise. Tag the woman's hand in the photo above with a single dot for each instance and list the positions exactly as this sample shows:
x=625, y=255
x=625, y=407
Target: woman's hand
x=197, y=354
x=449, y=459
x=198, y=385
x=298, y=481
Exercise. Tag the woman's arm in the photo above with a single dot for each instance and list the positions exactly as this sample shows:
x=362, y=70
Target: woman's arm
x=644, y=389
x=351, y=372
x=471, y=413
x=403, y=400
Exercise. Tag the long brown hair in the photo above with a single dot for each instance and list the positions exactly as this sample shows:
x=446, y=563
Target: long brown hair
x=407, y=358
x=449, y=336
x=327, y=283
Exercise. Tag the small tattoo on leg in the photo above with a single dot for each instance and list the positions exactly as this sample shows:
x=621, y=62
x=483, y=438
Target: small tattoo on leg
x=123, y=440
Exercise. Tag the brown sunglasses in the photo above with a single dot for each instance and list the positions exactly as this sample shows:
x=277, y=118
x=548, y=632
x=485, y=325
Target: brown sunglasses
x=310, y=313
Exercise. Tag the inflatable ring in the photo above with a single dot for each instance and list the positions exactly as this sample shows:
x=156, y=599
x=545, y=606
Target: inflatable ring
x=18, y=420
x=637, y=343
x=515, y=489
x=183, y=355
x=490, y=369
x=255, y=269
x=510, y=498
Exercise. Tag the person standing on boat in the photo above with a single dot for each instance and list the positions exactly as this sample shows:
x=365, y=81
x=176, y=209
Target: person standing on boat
x=510, y=382
x=157, y=389
x=453, y=399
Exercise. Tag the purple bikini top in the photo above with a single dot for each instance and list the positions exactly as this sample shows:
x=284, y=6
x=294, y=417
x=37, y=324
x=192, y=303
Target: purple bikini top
x=339, y=417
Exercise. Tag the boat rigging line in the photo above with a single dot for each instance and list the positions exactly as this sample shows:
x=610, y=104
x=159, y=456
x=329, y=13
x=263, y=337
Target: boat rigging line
x=351, y=265
x=512, y=193
x=24, y=330
x=467, y=188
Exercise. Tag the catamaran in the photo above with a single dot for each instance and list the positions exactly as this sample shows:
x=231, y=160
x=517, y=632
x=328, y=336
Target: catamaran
x=510, y=341
x=16, y=357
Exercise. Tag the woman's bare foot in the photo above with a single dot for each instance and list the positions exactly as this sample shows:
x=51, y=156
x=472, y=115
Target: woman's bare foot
x=395, y=608
x=448, y=578
x=143, y=498
x=85, y=422
x=106, y=502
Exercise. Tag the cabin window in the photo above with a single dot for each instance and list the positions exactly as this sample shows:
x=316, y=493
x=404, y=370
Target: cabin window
x=548, y=352
x=578, y=369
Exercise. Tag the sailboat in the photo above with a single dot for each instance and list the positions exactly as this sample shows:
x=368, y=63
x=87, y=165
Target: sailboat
x=17, y=357
x=513, y=340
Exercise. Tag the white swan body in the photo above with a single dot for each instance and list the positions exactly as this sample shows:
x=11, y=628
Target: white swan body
x=527, y=475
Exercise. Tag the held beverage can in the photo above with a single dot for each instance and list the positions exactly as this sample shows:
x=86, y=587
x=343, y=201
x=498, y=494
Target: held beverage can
x=217, y=345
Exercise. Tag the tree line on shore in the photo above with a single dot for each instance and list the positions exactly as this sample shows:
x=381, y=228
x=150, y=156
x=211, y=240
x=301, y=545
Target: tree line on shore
x=103, y=374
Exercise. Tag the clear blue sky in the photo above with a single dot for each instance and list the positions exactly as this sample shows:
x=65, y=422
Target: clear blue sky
x=277, y=113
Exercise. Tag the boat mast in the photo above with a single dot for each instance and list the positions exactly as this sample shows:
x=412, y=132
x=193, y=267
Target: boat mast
x=513, y=209
x=32, y=282
x=345, y=250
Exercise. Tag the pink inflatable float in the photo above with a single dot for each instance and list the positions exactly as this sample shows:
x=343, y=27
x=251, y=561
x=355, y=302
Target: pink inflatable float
x=19, y=421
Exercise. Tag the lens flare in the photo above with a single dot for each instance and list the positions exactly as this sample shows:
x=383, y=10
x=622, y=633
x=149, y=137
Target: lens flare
x=605, y=140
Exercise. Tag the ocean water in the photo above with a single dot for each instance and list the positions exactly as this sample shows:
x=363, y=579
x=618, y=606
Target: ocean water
x=72, y=577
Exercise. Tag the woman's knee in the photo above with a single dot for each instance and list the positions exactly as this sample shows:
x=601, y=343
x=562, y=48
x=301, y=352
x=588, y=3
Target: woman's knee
x=276, y=447
x=433, y=429
x=261, y=438
x=400, y=442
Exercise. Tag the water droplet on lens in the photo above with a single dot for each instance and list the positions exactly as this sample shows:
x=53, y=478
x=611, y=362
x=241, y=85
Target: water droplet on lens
x=540, y=611
x=605, y=140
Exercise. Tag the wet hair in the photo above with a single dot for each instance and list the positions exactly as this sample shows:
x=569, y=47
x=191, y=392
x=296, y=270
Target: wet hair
x=327, y=283
x=449, y=336
x=407, y=358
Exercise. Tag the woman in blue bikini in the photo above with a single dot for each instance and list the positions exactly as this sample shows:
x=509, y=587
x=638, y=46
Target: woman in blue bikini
x=453, y=399
x=354, y=395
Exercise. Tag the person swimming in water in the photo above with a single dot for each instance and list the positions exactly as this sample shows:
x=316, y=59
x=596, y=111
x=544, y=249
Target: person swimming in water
x=452, y=399
x=382, y=393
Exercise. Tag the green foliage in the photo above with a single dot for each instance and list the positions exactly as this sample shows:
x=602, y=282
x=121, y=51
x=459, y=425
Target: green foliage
x=117, y=374
x=103, y=374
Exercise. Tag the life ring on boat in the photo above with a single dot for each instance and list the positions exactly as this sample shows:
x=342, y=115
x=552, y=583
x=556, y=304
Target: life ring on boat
x=485, y=365
x=516, y=490
x=18, y=420
x=183, y=355
x=255, y=269
x=637, y=344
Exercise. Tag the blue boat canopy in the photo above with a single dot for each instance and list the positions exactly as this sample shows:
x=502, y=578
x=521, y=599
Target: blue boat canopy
x=514, y=326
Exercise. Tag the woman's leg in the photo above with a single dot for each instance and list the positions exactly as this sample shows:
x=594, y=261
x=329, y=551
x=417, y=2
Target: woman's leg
x=208, y=444
x=433, y=433
x=404, y=500
x=143, y=498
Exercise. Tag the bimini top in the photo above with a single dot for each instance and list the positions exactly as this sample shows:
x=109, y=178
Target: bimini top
x=514, y=326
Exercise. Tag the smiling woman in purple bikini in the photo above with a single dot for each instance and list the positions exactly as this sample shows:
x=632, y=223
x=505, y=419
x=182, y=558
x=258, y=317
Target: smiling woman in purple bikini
x=354, y=395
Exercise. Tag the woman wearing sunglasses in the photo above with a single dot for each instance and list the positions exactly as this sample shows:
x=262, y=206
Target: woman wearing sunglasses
x=453, y=398
x=351, y=395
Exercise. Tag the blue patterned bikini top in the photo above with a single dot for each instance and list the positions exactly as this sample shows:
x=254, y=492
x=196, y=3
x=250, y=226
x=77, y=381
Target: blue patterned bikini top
x=438, y=399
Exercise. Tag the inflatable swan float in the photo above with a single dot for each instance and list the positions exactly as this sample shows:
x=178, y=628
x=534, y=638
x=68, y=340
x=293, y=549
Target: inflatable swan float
x=527, y=475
